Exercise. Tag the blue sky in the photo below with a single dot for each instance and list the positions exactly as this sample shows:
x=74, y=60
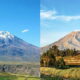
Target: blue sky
x=58, y=18
x=21, y=18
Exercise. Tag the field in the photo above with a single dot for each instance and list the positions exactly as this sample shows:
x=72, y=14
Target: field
x=10, y=76
x=71, y=60
x=60, y=74
x=19, y=71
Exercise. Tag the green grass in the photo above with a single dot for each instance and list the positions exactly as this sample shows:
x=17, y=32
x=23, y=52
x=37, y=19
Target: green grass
x=17, y=78
x=9, y=76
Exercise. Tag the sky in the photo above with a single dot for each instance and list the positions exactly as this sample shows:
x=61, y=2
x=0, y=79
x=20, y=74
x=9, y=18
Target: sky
x=58, y=18
x=21, y=18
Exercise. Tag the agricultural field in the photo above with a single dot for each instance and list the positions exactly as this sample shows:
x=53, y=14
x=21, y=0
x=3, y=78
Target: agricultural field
x=60, y=74
x=70, y=60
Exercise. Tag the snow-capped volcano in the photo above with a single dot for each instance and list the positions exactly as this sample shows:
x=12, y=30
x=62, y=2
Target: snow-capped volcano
x=13, y=48
x=71, y=41
x=6, y=35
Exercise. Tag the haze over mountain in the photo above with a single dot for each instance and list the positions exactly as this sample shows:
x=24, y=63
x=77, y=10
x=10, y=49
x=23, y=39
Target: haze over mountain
x=71, y=41
x=13, y=48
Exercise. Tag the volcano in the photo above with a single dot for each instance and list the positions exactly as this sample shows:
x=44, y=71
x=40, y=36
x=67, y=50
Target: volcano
x=71, y=41
x=13, y=48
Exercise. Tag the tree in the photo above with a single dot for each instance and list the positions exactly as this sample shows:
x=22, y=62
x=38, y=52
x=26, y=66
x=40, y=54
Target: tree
x=55, y=50
x=41, y=63
x=48, y=59
x=60, y=63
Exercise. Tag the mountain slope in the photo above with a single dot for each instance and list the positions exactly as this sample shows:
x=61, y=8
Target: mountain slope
x=13, y=48
x=71, y=41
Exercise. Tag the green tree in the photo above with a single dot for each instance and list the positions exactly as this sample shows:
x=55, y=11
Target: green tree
x=60, y=63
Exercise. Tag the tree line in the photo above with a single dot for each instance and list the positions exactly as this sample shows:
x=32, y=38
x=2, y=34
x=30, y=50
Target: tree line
x=48, y=58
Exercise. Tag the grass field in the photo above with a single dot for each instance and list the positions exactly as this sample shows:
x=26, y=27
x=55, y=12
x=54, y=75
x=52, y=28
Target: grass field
x=16, y=78
x=57, y=78
x=72, y=73
x=10, y=76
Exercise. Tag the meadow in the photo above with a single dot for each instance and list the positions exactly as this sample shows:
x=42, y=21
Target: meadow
x=60, y=74
x=10, y=76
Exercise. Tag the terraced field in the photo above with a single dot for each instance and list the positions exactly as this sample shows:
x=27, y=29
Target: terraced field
x=71, y=60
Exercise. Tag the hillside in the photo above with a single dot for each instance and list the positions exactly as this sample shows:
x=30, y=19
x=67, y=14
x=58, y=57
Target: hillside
x=71, y=41
x=13, y=48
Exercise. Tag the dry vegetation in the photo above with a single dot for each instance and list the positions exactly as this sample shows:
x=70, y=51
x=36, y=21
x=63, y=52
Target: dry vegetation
x=60, y=64
x=65, y=73
x=71, y=60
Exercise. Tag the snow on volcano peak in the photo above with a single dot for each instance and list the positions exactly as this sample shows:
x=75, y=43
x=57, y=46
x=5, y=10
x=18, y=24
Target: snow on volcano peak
x=6, y=34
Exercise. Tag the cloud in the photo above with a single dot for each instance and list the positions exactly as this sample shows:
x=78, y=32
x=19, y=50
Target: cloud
x=25, y=30
x=67, y=18
x=53, y=15
x=76, y=30
x=47, y=14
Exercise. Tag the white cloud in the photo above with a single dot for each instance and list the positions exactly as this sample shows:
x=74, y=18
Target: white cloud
x=67, y=18
x=52, y=15
x=76, y=30
x=25, y=30
x=47, y=14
